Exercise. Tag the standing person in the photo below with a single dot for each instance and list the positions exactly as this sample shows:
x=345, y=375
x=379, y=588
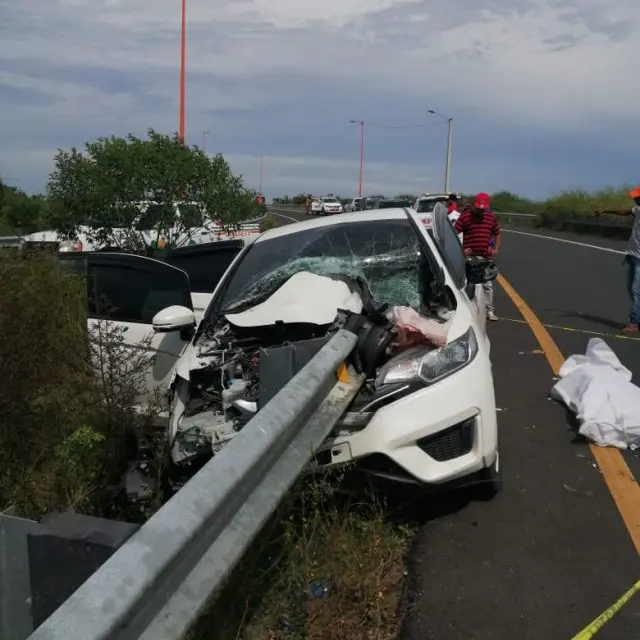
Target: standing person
x=453, y=203
x=453, y=211
x=307, y=206
x=479, y=226
x=631, y=259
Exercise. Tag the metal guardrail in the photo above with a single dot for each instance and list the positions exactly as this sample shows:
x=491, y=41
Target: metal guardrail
x=159, y=582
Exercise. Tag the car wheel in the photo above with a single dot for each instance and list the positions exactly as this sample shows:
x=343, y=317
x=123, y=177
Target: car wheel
x=489, y=480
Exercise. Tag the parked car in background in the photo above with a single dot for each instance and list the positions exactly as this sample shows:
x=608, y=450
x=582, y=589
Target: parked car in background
x=326, y=205
x=426, y=203
x=370, y=202
x=357, y=204
x=392, y=204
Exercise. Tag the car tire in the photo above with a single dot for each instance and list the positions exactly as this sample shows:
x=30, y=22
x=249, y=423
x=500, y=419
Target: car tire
x=490, y=480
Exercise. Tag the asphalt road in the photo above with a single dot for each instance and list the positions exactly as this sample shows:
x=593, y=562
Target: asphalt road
x=551, y=552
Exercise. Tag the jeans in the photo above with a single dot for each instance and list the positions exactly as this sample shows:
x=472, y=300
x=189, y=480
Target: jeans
x=632, y=265
x=488, y=293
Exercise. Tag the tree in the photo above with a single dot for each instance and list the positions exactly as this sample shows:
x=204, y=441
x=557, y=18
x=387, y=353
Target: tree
x=19, y=212
x=101, y=190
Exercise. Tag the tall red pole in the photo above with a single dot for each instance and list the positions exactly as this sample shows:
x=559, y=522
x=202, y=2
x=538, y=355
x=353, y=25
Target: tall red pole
x=361, y=158
x=183, y=68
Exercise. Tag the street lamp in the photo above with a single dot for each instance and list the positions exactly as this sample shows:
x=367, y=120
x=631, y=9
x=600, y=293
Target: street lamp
x=183, y=38
x=205, y=133
x=261, y=158
x=360, y=123
x=447, y=166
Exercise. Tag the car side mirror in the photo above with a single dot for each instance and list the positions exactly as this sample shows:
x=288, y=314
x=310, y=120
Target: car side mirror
x=174, y=318
x=480, y=270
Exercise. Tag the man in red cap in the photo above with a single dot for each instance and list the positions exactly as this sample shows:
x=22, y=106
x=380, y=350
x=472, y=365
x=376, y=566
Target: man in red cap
x=632, y=259
x=479, y=227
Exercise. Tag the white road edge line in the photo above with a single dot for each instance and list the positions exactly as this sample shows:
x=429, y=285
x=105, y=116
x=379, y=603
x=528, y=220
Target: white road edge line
x=281, y=215
x=580, y=244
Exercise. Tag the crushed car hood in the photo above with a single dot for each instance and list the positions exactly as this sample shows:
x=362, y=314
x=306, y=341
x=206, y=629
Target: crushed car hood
x=304, y=298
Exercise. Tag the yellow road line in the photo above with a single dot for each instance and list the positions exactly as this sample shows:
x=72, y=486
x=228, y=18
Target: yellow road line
x=618, y=336
x=620, y=481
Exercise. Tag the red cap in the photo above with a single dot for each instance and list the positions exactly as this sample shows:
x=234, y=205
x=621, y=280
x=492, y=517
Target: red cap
x=481, y=201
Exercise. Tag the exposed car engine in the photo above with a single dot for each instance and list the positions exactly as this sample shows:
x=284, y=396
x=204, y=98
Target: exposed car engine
x=240, y=369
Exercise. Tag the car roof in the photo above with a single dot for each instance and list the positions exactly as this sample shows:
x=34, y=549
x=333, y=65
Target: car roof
x=396, y=213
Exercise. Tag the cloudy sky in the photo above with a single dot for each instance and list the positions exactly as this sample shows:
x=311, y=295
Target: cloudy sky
x=543, y=93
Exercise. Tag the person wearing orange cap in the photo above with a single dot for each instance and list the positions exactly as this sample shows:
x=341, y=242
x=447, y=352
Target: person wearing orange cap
x=631, y=259
x=479, y=228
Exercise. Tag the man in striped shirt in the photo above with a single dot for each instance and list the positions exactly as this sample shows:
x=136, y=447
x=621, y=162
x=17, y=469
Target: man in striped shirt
x=479, y=226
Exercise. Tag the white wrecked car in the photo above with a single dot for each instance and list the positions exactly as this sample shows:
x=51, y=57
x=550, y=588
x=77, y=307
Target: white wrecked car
x=427, y=412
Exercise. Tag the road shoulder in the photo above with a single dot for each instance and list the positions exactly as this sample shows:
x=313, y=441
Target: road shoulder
x=548, y=554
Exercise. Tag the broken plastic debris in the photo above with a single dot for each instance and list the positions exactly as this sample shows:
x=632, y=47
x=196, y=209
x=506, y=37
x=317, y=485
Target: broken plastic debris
x=577, y=492
x=316, y=589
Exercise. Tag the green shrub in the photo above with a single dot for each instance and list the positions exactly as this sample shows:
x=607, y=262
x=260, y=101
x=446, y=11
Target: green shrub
x=268, y=223
x=67, y=397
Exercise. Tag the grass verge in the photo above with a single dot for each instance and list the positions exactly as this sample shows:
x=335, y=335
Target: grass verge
x=325, y=567
x=67, y=396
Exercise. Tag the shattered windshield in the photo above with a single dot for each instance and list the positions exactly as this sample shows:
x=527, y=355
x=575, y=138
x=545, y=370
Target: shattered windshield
x=385, y=253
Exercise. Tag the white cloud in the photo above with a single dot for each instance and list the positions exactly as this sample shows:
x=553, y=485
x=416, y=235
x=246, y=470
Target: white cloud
x=537, y=65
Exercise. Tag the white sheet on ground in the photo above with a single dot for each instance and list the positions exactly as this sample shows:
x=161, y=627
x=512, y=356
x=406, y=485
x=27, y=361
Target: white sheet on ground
x=304, y=297
x=597, y=387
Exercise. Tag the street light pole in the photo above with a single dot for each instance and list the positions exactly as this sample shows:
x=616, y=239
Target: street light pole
x=447, y=166
x=183, y=39
x=205, y=133
x=261, y=162
x=360, y=123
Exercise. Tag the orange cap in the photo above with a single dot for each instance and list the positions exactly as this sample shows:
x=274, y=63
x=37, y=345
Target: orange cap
x=635, y=193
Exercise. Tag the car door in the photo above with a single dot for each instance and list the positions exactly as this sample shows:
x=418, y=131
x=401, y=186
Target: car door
x=128, y=291
x=451, y=251
x=205, y=264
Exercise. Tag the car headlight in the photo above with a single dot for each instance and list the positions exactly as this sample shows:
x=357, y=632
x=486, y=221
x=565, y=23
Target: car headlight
x=434, y=365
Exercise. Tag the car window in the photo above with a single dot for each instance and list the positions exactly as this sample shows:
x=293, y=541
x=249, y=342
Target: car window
x=156, y=216
x=205, y=264
x=191, y=215
x=386, y=254
x=129, y=294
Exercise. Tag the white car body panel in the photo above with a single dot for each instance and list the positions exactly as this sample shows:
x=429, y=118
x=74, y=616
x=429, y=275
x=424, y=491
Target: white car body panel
x=305, y=297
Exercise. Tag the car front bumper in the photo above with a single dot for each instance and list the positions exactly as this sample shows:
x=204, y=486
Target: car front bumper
x=437, y=435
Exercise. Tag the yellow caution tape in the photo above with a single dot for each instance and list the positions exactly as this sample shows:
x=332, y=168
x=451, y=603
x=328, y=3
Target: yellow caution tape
x=590, y=630
x=619, y=336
